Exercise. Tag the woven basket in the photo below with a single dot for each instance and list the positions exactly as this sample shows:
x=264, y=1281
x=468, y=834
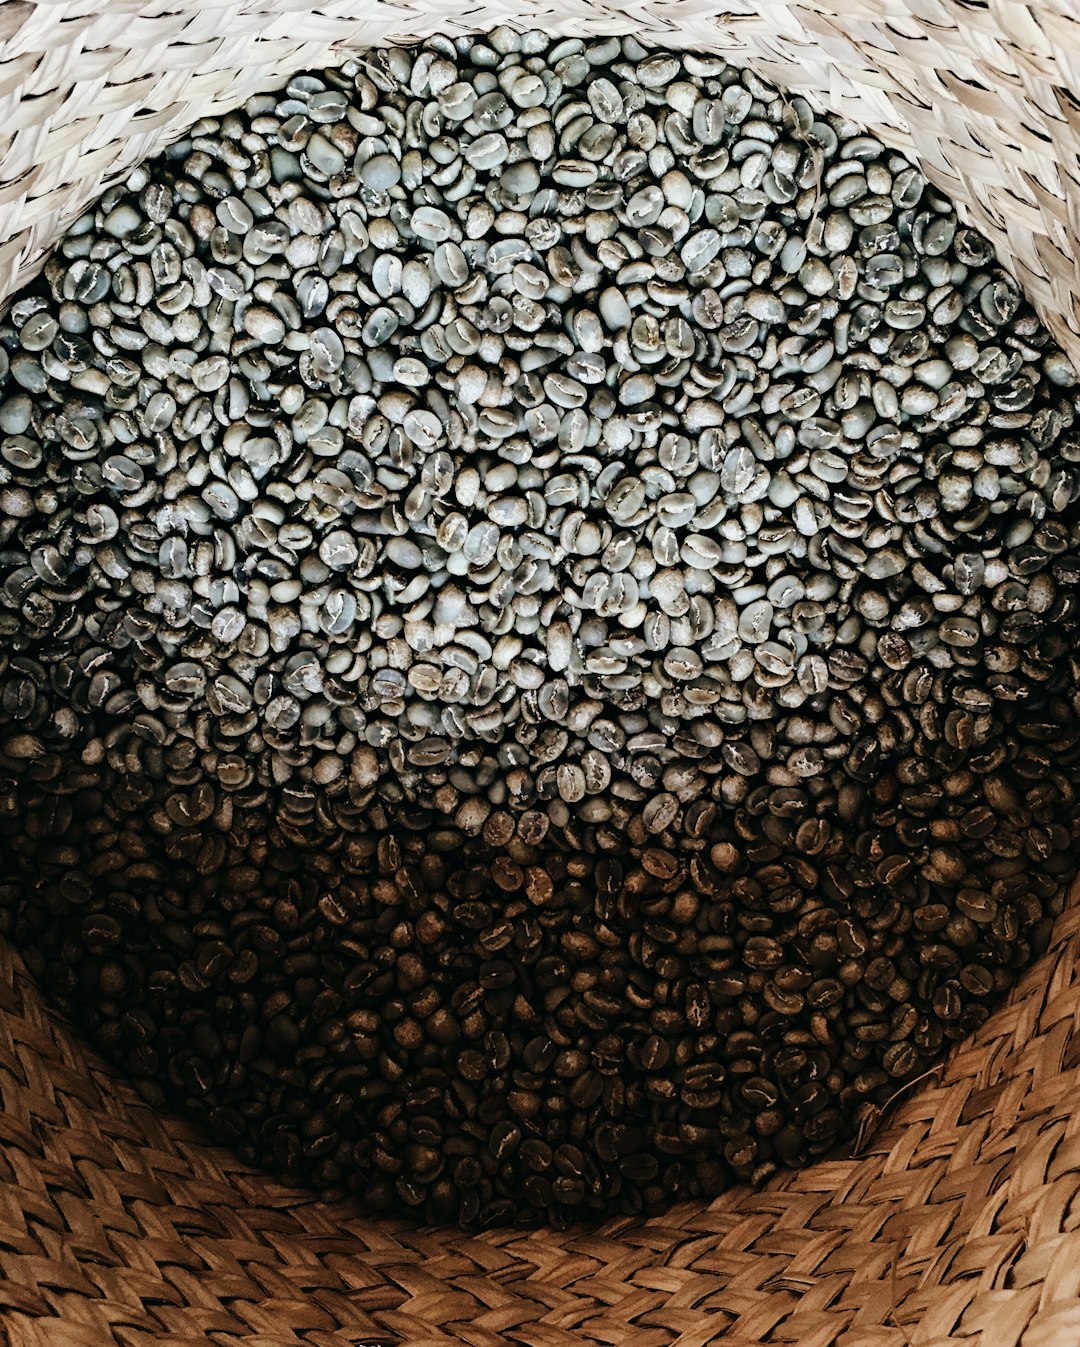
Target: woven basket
x=959, y=1223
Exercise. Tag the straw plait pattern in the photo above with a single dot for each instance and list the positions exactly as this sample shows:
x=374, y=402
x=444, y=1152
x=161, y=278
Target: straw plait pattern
x=981, y=92
x=958, y=1224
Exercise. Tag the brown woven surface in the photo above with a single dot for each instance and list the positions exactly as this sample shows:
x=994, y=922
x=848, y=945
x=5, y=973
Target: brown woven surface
x=960, y=1224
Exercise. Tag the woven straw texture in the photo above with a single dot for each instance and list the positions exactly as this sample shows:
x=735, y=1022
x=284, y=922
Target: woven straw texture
x=959, y=1225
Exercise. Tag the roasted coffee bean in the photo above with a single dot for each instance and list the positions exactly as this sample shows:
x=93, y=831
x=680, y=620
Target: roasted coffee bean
x=538, y=663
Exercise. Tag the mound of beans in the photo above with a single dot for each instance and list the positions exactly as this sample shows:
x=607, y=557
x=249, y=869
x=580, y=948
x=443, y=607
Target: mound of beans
x=538, y=586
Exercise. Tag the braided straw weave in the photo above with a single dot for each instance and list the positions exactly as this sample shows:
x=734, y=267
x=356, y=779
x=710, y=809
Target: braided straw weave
x=960, y=1224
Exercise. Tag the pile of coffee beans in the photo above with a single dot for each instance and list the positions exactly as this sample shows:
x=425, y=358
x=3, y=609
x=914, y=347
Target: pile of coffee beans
x=538, y=589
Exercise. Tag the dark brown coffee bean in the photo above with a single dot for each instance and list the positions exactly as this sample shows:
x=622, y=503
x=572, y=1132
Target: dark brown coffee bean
x=424, y=818
x=900, y=1060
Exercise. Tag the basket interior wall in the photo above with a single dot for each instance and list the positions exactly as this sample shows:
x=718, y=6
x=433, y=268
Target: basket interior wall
x=960, y=1225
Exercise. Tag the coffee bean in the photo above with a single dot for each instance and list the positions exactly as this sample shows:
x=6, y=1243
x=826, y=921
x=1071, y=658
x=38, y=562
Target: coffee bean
x=502, y=711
